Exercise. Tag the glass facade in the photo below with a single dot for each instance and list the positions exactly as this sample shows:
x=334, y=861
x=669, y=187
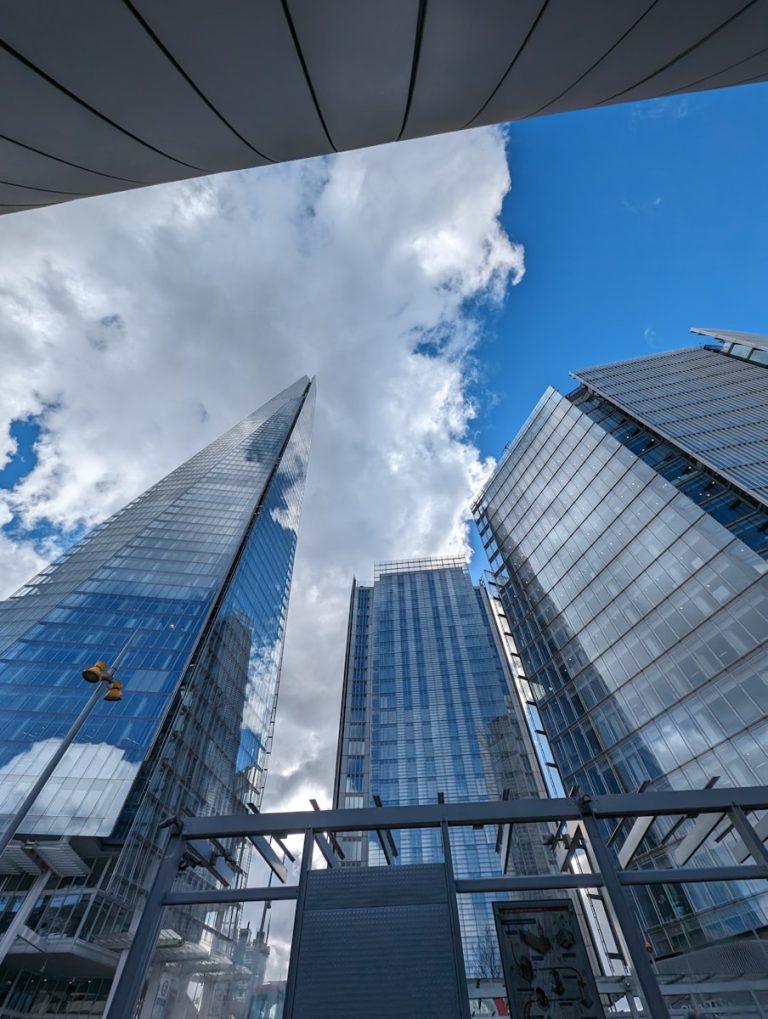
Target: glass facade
x=710, y=402
x=195, y=574
x=428, y=708
x=639, y=601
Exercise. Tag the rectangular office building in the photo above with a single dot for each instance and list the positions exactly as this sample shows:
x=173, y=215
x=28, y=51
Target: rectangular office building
x=429, y=709
x=627, y=527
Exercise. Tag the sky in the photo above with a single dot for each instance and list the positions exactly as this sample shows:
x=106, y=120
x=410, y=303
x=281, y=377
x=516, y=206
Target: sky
x=434, y=287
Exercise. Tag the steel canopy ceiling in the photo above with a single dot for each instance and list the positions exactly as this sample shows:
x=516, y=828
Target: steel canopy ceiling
x=106, y=95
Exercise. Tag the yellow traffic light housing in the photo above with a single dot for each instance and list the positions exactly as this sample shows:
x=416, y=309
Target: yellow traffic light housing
x=96, y=672
x=115, y=692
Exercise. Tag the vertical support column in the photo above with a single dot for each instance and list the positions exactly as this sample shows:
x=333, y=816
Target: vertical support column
x=298, y=923
x=453, y=910
x=140, y=954
x=752, y=841
x=650, y=992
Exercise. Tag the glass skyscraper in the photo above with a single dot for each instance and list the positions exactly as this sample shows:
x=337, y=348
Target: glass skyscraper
x=627, y=527
x=429, y=708
x=194, y=575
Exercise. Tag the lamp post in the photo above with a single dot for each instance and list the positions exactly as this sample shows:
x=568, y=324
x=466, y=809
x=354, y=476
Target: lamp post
x=99, y=674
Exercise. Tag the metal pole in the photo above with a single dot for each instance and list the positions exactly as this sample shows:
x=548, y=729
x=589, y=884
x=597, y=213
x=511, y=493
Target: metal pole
x=453, y=912
x=650, y=992
x=144, y=942
x=49, y=769
x=298, y=923
x=20, y=917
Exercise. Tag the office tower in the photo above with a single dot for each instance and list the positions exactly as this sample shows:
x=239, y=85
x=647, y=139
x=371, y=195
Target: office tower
x=120, y=94
x=194, y=577
x=627, y=525
x=429, y=708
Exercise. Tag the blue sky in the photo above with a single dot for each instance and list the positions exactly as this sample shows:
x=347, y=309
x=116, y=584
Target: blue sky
x=638, y=222
x=25, y=434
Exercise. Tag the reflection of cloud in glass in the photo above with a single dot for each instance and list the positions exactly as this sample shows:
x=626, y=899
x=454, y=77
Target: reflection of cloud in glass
x=263, y=671
x=293, y=473
x=82, y=797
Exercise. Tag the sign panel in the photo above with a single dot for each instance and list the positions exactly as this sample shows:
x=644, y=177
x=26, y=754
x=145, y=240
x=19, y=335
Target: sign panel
x=546, y=968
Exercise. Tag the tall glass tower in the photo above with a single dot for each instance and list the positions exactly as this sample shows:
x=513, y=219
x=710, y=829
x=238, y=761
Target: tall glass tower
x=429, y=708
x=627, y=526
x=194, y=577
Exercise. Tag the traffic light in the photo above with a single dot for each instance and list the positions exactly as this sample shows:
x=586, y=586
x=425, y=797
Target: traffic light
x=96, y=672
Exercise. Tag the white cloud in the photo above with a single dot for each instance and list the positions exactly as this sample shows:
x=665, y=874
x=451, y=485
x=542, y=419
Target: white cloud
x=142, y=325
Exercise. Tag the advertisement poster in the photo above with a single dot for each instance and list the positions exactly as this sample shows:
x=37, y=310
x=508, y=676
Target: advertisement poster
x=545, y=962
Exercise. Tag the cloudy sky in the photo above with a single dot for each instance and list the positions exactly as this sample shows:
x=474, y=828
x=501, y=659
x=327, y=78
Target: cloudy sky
x=136, y=328
x=434, y=287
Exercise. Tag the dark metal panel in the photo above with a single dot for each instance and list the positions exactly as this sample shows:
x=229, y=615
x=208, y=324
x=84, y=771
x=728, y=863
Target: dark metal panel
x=721, y=50
x=465, y=51
x=359, y=58
x=106, y=58
x=367, y=887
x=45, y=118
x=241, y=56
x=567, y=40
x=752, y=69
x=22, y=165
x=667, y=31
x=12, y=194
x=376, y=941
x=17, y=208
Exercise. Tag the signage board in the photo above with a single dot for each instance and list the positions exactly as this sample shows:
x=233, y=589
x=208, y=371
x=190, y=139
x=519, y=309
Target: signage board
x=546, y=968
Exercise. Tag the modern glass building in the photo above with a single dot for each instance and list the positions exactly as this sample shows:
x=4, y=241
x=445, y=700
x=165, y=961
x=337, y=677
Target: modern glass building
x=627, y=526
x=194, y=577
x=429, y=709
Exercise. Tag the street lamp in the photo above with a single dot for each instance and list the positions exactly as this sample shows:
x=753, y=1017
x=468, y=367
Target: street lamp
x=99, y=674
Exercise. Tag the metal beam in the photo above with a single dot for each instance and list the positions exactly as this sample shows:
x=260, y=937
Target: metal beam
x=528, y=883
x=324, y=846
x=142, y=949
x=298, y=924
x=219, y=896
x=603, y=861
x=751, y=838
x=465, y=886
x=700, y=831
x=453, y=912
x=523, y=811
x=635, y=836
x=692, y=875
x=372, y=818
x=270, y=857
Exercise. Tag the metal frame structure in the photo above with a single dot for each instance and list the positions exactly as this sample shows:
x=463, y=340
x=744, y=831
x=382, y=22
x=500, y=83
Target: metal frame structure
x=186, y=836
x=394, y=566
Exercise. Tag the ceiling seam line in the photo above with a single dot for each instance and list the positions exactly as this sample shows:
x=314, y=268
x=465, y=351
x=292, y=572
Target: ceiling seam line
x=599, y=61
x=680, y=56
x=67, y=162
x=92, y=109
x=512, y=64
x=417, y=40
x=724, y=70
x=48, y=191
x=305, y=69
x=190, y=81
